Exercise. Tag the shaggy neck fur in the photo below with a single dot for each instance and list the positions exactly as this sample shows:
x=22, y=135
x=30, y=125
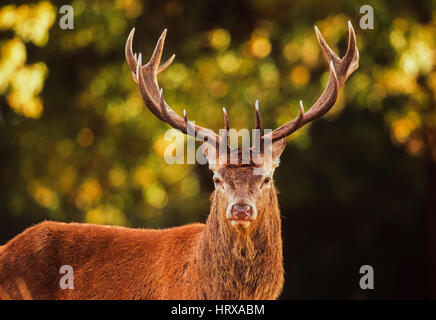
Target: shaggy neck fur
x=240, y=264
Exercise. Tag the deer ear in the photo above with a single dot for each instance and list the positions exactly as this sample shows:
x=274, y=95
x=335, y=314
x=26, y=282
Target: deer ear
x=277, y=149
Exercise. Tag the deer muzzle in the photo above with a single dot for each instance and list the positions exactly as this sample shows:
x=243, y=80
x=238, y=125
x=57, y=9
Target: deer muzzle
x=241, y=213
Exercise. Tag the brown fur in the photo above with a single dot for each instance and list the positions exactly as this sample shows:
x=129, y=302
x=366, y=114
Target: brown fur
x=196, y=261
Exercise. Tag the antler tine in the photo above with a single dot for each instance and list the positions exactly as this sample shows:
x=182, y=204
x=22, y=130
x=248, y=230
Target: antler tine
x=189, y=127
x=225, y=135
x=328, y=52
x=340, y=70
x=226, y=119
x=138, y=65
x=154, y=61
x=166, y=64
x=258, y=127
x=130, y=57
x=185, y=117
x=352, y=52
x=258, y=119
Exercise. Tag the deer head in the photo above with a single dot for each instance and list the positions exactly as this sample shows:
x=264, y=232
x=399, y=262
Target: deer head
x=243, y=191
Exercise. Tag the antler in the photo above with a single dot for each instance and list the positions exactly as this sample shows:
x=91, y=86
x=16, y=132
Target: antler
x=340, y=70
x=146, y=78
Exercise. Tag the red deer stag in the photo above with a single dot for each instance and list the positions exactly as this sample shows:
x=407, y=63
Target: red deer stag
x=236, y=254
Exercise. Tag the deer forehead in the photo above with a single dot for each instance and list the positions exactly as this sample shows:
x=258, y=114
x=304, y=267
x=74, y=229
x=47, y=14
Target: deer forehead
x=241, y=175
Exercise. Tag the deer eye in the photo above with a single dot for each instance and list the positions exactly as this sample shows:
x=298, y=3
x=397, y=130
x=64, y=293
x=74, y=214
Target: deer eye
x=266, y=181
x=217, y=182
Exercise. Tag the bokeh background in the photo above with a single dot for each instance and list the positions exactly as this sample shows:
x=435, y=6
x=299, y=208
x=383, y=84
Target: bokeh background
x=356, y=187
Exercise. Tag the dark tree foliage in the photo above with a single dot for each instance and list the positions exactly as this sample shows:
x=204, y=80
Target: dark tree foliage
x=357, y=187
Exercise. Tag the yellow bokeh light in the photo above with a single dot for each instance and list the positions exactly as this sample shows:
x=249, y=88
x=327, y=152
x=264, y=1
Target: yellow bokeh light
x=229, y=62
x=117, y=177
x=156, y=196
x=175, y=76
x=42, y=195
x=24, y=82
x=143, y=176
x=290, y=52
x=90, y=192
x=309, y=52
x=400, y=24
x=299, y=75
x=410, y=65
x=218, y=89
x=219, y=38
x=403, y=127
x=397, y=39
x=30, y=22
x=8, y=16
x=30, y=107
x=65, y=148
x=260, y=47
x=131, y=8
x=29, y=79
x=173, y=174
x=415, y=146
x=12, y=56
x=133, y=106
x=85, y=137
x=67, y=179
x=189, y=186
x=269, y=74
x=396, y=81
x=105, y=214
x=159, y=146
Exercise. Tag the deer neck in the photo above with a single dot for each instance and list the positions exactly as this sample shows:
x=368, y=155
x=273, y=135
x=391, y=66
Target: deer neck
x=246, y=264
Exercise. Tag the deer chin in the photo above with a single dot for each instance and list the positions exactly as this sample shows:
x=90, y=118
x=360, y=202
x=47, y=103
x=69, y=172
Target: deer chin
x=240, y=223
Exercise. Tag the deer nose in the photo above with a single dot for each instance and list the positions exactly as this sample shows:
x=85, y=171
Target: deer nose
x=241, y=211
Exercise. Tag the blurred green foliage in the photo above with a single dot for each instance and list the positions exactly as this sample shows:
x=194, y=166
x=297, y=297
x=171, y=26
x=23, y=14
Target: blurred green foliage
x=77, y=143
